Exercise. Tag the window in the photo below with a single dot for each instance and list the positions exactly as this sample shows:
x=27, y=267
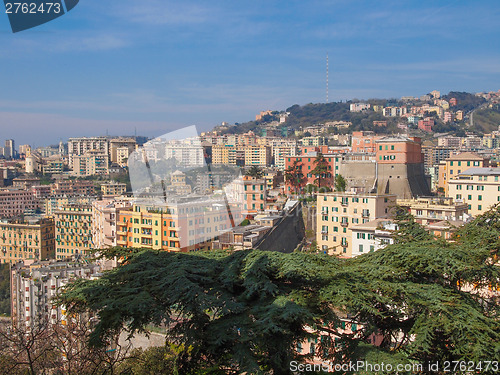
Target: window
x=392, y=147
x=479, y=197
x=451, y=163
x=360, y=248
x=459, y=187
x=372, y=248
x=459, y=196
x=479, y=207
x=469, y=197
x=459, y=163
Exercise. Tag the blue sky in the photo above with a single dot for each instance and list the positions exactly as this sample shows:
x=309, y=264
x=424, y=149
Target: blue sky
x=159, y=65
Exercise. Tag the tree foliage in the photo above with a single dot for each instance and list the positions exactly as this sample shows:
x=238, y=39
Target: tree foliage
x=426, y=300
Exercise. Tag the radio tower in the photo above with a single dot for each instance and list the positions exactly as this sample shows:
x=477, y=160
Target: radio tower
x=327, y=77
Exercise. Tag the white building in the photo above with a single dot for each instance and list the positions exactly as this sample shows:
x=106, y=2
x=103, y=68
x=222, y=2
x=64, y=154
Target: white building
x=372, y=236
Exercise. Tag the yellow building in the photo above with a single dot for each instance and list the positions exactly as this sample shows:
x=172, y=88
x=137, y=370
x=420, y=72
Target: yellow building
x=338, y=212
x=21, y=241
x=186, y=226
x=73, y=230
x=479, y=188
x=430, y=210
x=113, y=188
x=457, y=164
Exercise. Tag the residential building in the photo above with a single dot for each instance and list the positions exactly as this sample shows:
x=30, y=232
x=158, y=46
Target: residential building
x=477, y=187
x=240, y=237
x=104, y=221
x=364, y=141
x=73, y=230
x=91, y=163
x=430, y=210
x=80, y=146
x=120, y=149
x=73, y=187
x=426, y=124
x=30, y=239
x=34, y=285
x=14, y=202
x=372, y=236
x=358, y=107
x=250, y=192
x=113, y=188
x=338, y=212
x=306, y=164
x=457, y=164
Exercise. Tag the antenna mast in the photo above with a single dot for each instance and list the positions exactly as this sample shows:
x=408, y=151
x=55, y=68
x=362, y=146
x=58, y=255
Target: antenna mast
x=327, y=77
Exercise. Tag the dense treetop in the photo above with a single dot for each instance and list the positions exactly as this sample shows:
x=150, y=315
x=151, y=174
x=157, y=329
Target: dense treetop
x=247, y=311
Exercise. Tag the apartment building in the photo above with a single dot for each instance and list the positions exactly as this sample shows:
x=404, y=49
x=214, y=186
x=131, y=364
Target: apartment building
x=33, y=285
x=306, y=164
x=52, y=204
x=80, y=146
x=104, y=221
x=478, y=188
x=176, y=226
x=247, y=155
x=250, y=193
x=188, y=153
x=456, y=164
x=72, y=188
x=338, y=212
x=113, y=188
x=73, y=230
x=26, y=240
x=430, y=210
x=258, y=155
x=364, y=141
x=14, y=202
x=91, y=163
x=120, y=148
x=372, y=236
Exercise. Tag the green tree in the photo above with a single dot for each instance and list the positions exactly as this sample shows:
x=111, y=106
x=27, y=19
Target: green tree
x=424, y=299
x=340, y=183
x=254, y=171
x=294, y=176
x=320, y=170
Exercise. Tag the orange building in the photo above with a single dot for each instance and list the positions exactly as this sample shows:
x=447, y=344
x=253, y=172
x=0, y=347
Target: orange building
x=364, y=141
x=397, y=150
x=306, y=164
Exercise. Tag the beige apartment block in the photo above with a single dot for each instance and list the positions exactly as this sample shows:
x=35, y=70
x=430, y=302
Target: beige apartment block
x=479, y=188
x=338, y=212
x=104, y=221
x=90, y=164
x=457, y=164
x=430, y=210
x=73, y=230
x=27, y=240
x=113, y=188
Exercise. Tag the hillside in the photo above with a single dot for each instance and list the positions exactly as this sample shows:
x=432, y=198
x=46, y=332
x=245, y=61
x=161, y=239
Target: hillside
x=487, y=120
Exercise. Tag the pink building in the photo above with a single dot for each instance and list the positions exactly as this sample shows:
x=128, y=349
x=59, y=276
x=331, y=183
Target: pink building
x=15, y=202
x=426, y=124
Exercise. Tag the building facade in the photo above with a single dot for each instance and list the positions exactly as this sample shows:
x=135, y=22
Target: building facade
x=73, y=231
x=26, y=240
x=338, y=212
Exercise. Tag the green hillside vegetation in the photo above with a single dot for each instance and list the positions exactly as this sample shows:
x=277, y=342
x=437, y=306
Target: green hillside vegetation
x=465, y=101
x=248, y=311
x=4, y=289
x=488, y=119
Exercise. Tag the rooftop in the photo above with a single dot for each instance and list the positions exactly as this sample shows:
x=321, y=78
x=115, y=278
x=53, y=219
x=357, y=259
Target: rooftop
x=481, y=172
x=466, y=156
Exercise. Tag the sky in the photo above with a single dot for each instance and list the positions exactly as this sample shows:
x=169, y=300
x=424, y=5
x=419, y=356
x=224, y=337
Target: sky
x=121, y=67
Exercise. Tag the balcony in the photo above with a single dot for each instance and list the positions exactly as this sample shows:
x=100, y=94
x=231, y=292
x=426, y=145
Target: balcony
x=344, y=223
x=344, y=202
x=365, y=213
x=324, y=232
